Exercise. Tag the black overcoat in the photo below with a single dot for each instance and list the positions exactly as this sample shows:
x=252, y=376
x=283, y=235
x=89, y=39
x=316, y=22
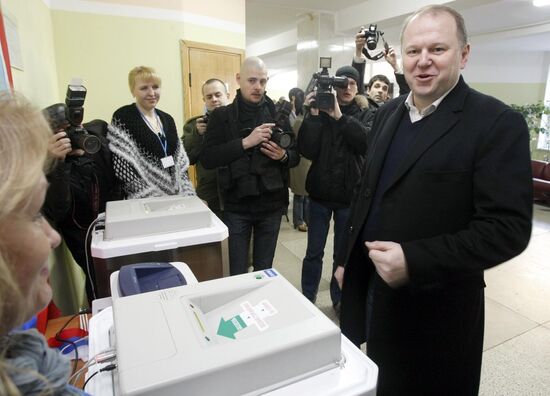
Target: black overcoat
x=460, y=202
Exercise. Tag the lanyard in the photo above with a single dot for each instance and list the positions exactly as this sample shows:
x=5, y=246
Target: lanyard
x=160, y=136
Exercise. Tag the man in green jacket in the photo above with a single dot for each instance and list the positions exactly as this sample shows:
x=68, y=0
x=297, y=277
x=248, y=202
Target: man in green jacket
x=214, y=94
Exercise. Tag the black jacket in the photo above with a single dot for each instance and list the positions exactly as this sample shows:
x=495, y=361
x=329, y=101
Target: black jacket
x=79, y=189
x=249, y=181
x=460, y=202
x=337, y=152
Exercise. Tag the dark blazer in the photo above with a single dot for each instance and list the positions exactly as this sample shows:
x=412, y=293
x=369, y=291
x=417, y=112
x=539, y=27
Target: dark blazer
x=460, y=202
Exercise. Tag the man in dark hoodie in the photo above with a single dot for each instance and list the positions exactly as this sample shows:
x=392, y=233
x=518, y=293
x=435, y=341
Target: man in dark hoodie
x=252, y=168
x=335, y=140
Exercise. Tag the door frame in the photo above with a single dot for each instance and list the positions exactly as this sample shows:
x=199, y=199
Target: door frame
x=185, y=45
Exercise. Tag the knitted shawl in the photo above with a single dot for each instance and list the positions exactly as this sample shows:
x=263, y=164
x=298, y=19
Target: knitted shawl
x=137, y=154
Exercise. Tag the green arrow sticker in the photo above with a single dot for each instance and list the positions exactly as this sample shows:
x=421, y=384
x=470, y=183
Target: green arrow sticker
x=228, y=328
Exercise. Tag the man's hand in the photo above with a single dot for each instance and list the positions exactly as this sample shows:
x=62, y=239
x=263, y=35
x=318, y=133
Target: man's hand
x=335, y=112
x=360, y=42
x=339, y=276
x=201, y=126
x=391, y=58
x=390, y=263
x=308, y=100
x=59, y=145
x=260, y=134
x=272, y=150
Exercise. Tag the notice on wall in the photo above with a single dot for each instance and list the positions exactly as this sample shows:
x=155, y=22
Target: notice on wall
x=14, y=44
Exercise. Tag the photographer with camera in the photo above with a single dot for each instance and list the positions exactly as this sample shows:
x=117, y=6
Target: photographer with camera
x=82, y=180
x=244, y=141
x=335, y=140
x=379, y=86
x=214, y=95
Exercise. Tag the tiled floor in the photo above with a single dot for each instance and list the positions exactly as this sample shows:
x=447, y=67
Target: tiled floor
x=516, y=359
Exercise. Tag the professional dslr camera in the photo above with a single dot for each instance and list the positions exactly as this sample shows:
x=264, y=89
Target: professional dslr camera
x=278, y=134
x=69, y=116
x=372, y=35
x=324, y=99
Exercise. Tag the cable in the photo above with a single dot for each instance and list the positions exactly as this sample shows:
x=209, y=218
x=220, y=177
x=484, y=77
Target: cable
x=107, y=355
x=100, y=216
x=110, y=367
x=62, y=350
x=63, y=340
x=89, y=378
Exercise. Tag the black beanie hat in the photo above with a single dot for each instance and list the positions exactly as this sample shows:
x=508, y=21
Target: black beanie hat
x=348, y=71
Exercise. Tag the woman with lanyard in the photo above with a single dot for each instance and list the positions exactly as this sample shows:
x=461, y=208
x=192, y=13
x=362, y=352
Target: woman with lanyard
x=148, y=157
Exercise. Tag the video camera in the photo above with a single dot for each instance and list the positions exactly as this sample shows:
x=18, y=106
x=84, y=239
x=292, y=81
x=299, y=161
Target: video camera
x=278, y=134
x=324, y=99
x=372, y=35
x=69, y=116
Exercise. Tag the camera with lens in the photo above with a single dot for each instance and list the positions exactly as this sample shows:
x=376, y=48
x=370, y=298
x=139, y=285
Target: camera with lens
x=324, y=99
x=278, y=134
x=69, y=116
x=372, y=35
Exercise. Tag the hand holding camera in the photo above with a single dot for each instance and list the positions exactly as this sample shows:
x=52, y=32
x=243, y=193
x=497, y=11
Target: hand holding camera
x=360, y=42
x=59, y=145
x=372, y=35
x=308, y=102
x=68, y=116
x=322, y=83
x=272, y=150
x=259, y=135
x=201, y=124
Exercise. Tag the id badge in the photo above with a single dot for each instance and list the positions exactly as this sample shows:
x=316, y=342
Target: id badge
x=167, y=162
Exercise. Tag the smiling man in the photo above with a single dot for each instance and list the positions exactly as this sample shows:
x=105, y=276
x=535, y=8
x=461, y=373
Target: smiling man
x=214, y=95
x=446, y=193
x=252, y=169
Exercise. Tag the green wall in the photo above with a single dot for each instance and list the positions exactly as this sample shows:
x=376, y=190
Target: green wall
x=102, y=49
x=516, y=93
x=38, y=79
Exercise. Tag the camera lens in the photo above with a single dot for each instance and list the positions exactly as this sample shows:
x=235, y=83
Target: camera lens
x=371, y=43
x=91, y=144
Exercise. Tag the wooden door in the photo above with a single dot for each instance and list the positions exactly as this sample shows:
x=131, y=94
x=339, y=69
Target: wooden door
x=201, y=62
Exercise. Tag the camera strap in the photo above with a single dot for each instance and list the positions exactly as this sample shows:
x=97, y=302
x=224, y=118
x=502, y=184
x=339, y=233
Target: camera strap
x=380, y=54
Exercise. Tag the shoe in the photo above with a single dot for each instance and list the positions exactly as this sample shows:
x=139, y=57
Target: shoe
x=302, y=227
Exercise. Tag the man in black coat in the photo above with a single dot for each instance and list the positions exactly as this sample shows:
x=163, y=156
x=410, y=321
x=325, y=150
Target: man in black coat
x=252, y=168
x=80, y=186
x=445, y=194
x=335, y=140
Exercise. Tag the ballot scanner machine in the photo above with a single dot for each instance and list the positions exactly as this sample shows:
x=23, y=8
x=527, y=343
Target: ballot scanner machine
x=249, y=334
x=169, y=229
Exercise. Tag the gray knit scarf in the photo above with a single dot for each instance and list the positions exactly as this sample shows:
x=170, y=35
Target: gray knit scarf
x=28, y=354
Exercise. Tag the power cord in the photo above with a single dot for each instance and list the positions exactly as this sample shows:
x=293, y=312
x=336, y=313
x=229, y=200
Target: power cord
x=110, y=367
x=58, y=337
x=100, y=220
x=103, y=357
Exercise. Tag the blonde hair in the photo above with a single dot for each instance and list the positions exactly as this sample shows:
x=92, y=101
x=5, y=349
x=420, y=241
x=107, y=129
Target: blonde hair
x=145, y=73
x=24, y=135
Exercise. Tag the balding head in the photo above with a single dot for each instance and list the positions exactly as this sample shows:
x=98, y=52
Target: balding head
x=251, y=63
x=252, y=79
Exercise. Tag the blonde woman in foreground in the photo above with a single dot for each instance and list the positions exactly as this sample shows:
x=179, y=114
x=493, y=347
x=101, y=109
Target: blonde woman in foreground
x=27, y=364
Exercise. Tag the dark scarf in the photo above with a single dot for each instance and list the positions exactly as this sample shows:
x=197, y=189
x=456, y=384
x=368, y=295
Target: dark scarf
x=250, y=115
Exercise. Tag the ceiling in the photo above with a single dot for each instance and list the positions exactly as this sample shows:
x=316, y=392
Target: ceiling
x=493, y=25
